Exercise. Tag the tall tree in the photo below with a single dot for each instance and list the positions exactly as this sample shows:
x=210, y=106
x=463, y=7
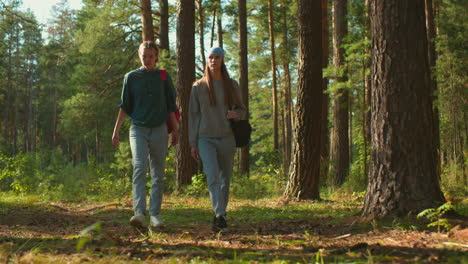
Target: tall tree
x=201, y=32
x=403, y=171
x=325, y=142
x=186, y=166
x=432, y=57
x=244, y=156
x=147, y=20
x=273, y=75
x=287, y=105
x=305, y=168
x=339, y=149
x=219, y=23
x=164, y=24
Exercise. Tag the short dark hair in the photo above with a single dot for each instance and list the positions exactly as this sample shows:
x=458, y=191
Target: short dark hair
x=148, y=44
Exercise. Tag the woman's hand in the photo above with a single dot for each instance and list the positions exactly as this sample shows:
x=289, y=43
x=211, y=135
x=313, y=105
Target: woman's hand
x=194, y=152
x=231, y=114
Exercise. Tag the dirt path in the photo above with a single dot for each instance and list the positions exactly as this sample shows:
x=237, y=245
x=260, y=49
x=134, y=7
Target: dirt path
x=51, y=232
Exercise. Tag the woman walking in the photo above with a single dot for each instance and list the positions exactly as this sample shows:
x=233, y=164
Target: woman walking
x=214, y=101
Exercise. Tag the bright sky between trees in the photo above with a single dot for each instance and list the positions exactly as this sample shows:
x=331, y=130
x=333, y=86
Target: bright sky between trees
x=42, y=8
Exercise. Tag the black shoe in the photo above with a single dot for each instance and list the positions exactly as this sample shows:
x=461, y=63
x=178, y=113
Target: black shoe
x=219, y=223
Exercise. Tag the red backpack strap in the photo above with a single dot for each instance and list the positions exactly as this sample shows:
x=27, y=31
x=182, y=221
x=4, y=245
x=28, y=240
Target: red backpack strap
x=163, y=74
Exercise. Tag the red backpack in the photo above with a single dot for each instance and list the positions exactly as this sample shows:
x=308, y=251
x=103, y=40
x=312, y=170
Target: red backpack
x=163, y=74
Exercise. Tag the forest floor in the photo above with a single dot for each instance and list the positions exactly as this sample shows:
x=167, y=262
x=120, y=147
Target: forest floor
x=260, y=231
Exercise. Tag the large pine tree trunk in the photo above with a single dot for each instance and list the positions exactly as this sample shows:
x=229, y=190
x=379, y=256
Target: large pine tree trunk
x=273, y=70
x=164, y=25
x=325, y=142
x=244, y=156
x=186, y=166
x=305, y=168
x=146, y=20
x=339, y=150
x=403, y=171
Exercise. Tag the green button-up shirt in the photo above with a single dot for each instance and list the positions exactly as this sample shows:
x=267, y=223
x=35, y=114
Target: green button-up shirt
x=146, y=98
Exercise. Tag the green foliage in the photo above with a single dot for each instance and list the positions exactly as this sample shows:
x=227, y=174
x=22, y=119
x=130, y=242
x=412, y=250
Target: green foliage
x=93, y=231
x=434, y=215
x=198, y=188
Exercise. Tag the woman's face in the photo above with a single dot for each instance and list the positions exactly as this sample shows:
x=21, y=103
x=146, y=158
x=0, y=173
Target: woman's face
x=215, y=62
x=148, y=58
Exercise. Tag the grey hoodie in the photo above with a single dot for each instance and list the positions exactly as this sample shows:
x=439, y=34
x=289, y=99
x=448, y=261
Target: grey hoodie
x=210, y=121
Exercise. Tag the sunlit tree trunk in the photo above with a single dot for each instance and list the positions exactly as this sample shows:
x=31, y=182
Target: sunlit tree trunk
x=403, y=171
x=164, y=24
x=219, y=23
x=339, y=149
x=244, y=156
x=186, y=165
x=201, y=32
x=213, y=25
x=147, y=20
x=273, y=70
x=305, y=167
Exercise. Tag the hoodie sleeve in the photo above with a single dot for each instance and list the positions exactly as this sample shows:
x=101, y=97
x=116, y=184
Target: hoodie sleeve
x=194, y=117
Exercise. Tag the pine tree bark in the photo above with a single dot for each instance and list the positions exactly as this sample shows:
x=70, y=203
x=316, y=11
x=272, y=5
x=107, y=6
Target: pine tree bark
x=244, y=155
x=403, y=172
x=432, y=57
x=305, y=168
x=339, y=149
x=273, y=70
x=219, y=23
x=186, y=165
x=146, y=20
x=164, y=25
x=325, y=142
x=201, y=32
x=286, y=84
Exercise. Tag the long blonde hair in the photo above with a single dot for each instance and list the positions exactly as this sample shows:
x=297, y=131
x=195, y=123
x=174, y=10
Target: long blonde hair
x=229, y=96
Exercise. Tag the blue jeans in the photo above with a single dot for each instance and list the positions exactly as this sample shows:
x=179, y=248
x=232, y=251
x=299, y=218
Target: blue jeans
x=143, y=142
x=217, y=155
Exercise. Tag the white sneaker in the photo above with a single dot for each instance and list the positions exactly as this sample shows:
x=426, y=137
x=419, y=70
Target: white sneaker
x=138, y=220
x=155, y=221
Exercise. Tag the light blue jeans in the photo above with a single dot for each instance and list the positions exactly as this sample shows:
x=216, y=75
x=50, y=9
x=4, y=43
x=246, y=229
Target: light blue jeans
x=143, y=142
x=217, y=155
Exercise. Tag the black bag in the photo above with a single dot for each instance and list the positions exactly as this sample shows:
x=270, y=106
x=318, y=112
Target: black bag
x=242, y=130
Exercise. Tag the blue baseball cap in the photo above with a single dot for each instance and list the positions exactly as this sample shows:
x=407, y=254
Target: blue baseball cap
x=217, y=51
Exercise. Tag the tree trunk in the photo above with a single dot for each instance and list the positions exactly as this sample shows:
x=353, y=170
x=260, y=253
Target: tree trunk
x=273, y=70
x=8, y=96
x=432, y=57
x=244, y=155
x=213, y=24
x=219, y=22
x=339, y=150
x=164, y=25
x=286, y=83
x=186, y=165
x=325, y=142
x=305, y=168
x=367, y=98
x=201, y=32
x=147, y=20
x=403, y=171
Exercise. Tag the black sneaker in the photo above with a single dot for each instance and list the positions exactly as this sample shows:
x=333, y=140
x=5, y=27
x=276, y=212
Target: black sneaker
x=219, y=223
